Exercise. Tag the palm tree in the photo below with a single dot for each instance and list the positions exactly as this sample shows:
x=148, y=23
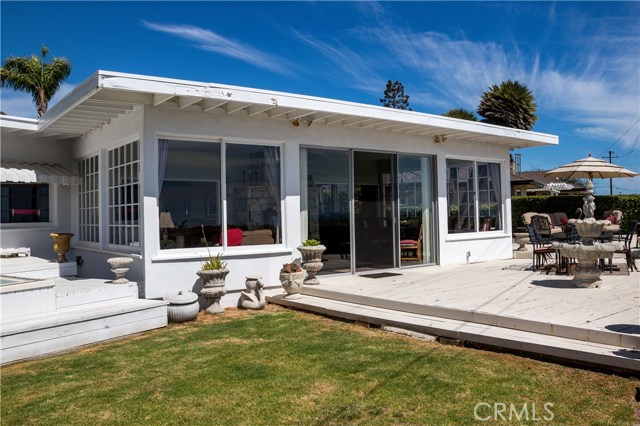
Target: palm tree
x=461, y=113
x=31, y=74
x=511, y=105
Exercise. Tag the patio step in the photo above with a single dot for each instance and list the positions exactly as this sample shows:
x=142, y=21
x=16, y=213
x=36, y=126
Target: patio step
x=629, y=339
x=609, y=357
x=76, y=292
x=37, y=268
x=39, y=335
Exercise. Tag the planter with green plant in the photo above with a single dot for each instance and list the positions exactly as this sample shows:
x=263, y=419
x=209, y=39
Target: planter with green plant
x=292, y=280
x=311, y=252
x=213, y=273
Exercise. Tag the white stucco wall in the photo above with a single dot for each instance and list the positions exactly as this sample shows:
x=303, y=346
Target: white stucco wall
x=159, y=272
x=19, y=147
x=173, y=269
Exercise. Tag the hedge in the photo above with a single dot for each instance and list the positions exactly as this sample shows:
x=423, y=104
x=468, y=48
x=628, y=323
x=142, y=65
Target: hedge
x=628, y=204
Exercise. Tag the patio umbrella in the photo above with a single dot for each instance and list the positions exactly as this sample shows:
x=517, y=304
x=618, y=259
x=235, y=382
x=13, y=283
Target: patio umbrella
x=590, y=168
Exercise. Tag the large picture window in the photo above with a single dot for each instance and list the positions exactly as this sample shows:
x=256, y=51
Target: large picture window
x=88, y=196
x=124, y=195
x=189, y=182
x=253, y=194
x=25, y=203
x=474, y=195
x=191, y=194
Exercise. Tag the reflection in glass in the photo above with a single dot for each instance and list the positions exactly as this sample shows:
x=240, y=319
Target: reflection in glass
x=416, y=210
x=253, y=194
x=325, y=205
x=189, y=184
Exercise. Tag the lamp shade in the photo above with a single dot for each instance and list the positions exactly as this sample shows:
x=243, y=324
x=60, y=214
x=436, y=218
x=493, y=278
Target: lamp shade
x=166, y=221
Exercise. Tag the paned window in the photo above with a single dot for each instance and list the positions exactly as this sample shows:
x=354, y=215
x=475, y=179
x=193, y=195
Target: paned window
x=124, y=195
x=88, y=201
x=474, y=195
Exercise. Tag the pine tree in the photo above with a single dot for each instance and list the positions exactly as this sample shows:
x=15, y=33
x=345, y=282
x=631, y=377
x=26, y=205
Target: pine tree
x=394, y=96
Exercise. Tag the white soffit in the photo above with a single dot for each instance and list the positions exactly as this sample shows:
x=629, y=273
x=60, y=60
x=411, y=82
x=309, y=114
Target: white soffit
x=22, y=172
x=107, y=95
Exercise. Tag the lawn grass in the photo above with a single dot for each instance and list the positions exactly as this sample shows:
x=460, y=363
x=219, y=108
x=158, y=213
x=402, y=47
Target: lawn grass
x=283, y=367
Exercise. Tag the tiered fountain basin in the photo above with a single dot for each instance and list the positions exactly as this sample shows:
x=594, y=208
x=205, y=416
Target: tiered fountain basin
x=588, y=253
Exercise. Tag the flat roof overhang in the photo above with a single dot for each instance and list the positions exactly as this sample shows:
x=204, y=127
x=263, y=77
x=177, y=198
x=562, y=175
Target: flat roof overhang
x=107, y=95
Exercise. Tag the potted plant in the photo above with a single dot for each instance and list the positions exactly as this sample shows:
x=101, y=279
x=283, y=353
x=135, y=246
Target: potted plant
x=311, y=251
x=213, y=273
x=292, y=279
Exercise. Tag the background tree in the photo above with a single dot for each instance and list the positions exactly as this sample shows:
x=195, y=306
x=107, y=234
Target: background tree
x=511, y=105
x=394, y=96
x=461, y=113
x=32, y=75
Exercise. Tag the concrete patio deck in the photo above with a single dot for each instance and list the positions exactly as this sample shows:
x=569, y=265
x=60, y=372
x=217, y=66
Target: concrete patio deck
x=498, y=303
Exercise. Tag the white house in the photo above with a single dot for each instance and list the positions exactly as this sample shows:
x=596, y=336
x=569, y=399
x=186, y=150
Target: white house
x=134, y=165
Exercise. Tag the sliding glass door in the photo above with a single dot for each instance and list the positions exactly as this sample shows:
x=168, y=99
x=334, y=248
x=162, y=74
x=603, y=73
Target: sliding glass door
x=371, y=210
x=374, y=212
x=324, y=203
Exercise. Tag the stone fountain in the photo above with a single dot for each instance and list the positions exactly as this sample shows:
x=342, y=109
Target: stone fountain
x=588, y=252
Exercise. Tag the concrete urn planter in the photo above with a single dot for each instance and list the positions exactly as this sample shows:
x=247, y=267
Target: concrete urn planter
x=312, y=262
x=120, y=266
x=292, y=283
x=183, y=306
x=213, y=288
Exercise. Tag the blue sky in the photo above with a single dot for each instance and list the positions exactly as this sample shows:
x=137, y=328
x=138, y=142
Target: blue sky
x=580, y=59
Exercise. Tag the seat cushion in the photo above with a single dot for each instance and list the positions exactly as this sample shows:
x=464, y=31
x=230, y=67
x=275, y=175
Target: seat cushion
x=408, y=243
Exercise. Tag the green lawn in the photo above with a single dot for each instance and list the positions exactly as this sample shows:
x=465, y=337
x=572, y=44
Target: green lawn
x=283, y=367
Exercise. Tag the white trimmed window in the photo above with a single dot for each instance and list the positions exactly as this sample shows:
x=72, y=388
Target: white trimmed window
x=474, y=195
x=124, y=195
x=88, y=196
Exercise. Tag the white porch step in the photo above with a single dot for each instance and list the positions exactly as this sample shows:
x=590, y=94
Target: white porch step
x=598, y=354
x=45, y=334
x=606, y=337
x=34, y=267
x=73, y=293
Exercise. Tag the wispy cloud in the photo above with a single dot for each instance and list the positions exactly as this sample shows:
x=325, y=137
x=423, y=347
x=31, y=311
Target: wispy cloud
x=342, y=63
x=594, y=84
x=212, y=42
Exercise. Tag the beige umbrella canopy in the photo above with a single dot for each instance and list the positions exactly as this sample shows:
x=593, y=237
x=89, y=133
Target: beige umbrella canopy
x=590, y=168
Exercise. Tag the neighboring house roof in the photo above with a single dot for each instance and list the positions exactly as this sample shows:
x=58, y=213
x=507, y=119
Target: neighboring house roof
x=107, y=95
x=536, y=181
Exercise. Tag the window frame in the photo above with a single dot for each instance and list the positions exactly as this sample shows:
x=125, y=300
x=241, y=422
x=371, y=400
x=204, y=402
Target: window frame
x=110, y=204
x=233, y=250
x=477, y=230
x=99, y=199
x=50, y=207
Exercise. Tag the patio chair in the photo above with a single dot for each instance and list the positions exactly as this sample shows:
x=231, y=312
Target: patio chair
x=542, y=249
x=628, y=254
x=545, y=227
x=412, y=249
